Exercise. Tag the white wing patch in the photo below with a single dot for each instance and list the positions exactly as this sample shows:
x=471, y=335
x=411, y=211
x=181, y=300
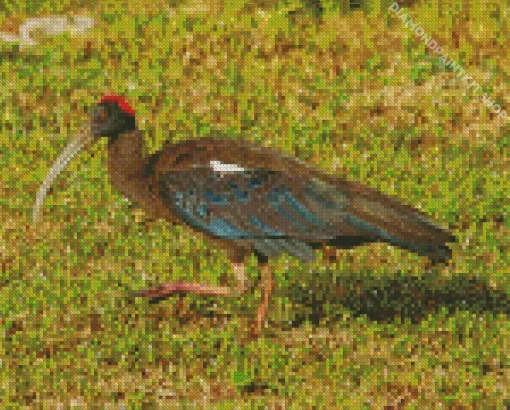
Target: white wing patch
x=221, y=167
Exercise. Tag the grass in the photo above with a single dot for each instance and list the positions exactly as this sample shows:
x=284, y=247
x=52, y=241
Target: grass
x=353, y=93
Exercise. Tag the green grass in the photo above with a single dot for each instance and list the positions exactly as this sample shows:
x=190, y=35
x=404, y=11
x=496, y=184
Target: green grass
x=353, y=93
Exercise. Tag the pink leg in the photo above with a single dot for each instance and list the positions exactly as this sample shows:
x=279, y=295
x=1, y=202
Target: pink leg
x=267, y=284
x=200, y=288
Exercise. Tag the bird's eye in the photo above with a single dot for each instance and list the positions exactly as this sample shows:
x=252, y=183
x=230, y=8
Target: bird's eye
x=103, y=114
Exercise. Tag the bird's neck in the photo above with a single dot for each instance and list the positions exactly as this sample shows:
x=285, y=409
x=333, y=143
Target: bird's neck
x=127, y=146
x=125, y=163
x=127, y=166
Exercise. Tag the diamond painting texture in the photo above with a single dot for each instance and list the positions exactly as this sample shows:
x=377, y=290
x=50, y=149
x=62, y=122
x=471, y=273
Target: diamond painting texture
x=254, y=204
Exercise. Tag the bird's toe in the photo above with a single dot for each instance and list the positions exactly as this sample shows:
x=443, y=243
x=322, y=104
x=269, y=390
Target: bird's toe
x=158, y=292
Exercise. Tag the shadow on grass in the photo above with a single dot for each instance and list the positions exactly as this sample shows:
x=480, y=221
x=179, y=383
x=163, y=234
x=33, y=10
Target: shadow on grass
x=385, y=300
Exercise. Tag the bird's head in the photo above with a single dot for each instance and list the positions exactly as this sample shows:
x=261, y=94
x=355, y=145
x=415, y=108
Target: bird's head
x=110, y=117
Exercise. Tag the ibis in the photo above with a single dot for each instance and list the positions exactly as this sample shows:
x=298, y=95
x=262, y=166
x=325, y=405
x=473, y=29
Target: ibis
x=247, y=198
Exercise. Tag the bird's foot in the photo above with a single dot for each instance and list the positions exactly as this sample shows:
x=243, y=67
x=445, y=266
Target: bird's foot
x=168, y=289
x=158, y=291
x=256, y=327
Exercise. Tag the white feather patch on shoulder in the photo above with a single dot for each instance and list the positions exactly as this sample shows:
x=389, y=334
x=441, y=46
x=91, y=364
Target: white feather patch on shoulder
x=221, y=167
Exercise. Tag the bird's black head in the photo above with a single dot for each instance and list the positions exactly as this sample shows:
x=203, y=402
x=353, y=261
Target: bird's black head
x=111, y=117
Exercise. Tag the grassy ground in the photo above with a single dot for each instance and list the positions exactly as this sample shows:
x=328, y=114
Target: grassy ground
x=351, y=91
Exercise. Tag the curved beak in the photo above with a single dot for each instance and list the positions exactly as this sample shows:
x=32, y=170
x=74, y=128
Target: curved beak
x=83, y=140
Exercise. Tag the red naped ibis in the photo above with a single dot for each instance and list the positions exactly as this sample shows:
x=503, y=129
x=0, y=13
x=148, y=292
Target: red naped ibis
x=249, y=198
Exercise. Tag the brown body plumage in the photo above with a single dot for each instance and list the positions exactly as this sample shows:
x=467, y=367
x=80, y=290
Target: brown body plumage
x=251, y=199
x=139, y=178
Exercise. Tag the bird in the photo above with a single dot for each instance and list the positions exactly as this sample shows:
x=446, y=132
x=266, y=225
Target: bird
x=248, y=199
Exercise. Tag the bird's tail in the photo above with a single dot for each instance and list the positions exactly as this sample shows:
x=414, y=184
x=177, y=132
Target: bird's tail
x=386, y=219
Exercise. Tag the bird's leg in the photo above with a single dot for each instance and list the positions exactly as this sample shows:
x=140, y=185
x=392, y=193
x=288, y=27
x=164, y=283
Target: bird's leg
x=167, y=289
x=267, y=284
